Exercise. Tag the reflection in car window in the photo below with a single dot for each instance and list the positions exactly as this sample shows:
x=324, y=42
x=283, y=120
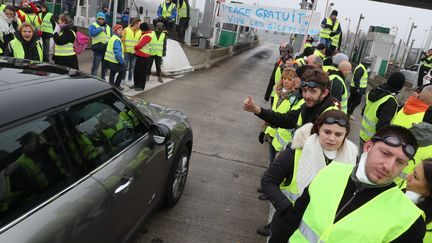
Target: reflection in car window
x=31, y=167
x=100, y=129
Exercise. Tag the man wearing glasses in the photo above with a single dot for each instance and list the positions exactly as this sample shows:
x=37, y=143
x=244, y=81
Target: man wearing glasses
x=315, y=89
x=100, y=33
x=346, y=203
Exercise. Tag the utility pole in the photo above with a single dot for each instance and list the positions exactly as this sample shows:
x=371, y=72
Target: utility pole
x=413, y=26
x=347, y=35
x=355, y=37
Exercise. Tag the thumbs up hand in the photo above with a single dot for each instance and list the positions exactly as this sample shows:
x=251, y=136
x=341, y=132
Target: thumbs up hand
x=250, y=106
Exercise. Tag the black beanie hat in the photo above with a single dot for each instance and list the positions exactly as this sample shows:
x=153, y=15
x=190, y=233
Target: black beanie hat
x=334, y=12
x=396, y=81
x=144, y=26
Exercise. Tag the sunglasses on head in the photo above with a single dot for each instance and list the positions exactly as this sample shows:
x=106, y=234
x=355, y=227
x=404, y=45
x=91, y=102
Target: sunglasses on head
x=101, y=19
x=310, y=84
x=340, y=122
x=408, y=149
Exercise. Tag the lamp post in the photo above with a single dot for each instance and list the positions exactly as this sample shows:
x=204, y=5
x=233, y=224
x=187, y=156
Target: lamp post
x=413, y=26
x=355, y=37
x=347, y=35
x=424, y=38
x=395, y=33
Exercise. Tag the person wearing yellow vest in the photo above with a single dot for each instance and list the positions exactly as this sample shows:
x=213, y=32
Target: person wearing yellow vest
x=143, y=51
x=419, y=191
x=322, y=142
x=64, y=53
x=330, y=28
x=100, y=33
x=47, y=28
x=184, y=17
x=301, y=59
x=358, y=85
x=114, y=57
x=381, y=106
x=320, y=51
x=315, y=61
x=285, y=52
x=167, y=13
x=315, y=89
x=130, y=38
x=347, y=203
x=425, y=66
x=158, y=49
x=26, y=44
x=8, y=26
x=338, y=88
x=309, y=41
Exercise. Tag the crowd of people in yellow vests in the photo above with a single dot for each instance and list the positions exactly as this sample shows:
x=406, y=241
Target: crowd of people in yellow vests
x=324, y=187
x=27, y=29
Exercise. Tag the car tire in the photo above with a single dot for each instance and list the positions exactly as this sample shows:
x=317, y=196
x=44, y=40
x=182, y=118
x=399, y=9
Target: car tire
x=177, y=177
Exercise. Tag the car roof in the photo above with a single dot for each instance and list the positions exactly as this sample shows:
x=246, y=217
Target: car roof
x=28, y=87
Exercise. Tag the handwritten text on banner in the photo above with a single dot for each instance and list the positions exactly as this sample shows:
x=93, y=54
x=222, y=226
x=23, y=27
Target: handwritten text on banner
x=271, y=18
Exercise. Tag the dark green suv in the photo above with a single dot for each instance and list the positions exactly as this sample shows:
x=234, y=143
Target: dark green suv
x=79, y=162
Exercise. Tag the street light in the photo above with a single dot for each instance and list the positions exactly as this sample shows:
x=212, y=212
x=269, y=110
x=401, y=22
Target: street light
x=424, y=38
x=413, y=26
x=348, y=30
x=395, y=33
x=357, y=31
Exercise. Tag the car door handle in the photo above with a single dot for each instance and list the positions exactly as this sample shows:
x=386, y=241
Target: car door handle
x=124, y=186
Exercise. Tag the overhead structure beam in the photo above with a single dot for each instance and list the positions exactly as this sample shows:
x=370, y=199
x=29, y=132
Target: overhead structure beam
x=424, y=4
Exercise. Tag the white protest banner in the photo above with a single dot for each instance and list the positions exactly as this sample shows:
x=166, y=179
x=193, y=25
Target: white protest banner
x=271, y=18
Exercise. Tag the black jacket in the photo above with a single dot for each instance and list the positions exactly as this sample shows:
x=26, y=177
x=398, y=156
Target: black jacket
x=67, y=35
x=271, y=82
x=386, y=110
x=336, y=87
x=289, y=119
x=281, y=168
x=30, y=49
x=293, y=215
x=356, y=79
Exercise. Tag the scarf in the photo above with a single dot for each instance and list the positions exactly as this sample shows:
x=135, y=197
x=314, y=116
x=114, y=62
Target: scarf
x=6, y=26
x=312, y=158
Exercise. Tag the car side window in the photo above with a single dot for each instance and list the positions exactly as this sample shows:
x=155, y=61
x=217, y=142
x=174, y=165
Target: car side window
x=32, y=167
x=99, y=129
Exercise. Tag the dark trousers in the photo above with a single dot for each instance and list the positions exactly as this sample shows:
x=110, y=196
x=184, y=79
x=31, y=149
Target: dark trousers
x=353, y=101
x=116, y=68
x=279, y=229
x=141, y=71
x=46, y=48
x=158, y=61
x=183, y=25
x=422, y=72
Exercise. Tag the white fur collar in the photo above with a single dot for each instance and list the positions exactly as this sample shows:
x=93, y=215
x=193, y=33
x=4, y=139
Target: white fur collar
x=301, y=135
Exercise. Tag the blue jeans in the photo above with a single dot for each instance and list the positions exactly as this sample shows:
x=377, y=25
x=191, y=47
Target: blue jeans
x=98, y=57
x=326, y=42
x=130, y=59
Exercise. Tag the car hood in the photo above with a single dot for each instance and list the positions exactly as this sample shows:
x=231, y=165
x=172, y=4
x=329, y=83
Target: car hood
x=159, y=114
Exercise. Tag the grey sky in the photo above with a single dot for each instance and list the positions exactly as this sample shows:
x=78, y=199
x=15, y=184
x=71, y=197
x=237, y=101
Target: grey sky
x=380, y=14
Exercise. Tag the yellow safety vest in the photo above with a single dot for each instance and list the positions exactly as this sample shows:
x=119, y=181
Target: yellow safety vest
x=429, y=65
x=344, y=98
x=182, y=10
x=277, y=79
x=327, y=68
x=33, y=20
x=109, y=53
x=320, y=54
x=306, y=45
x=157, y=44
x=284, y=136
x=370, y=119
x=300, y=119
x=300, y=61
x=326, y=192
x=18, y=49
x=131, y=39
x=147, y=48
x=66, y=49
x=46, y=23
x=364, y=78
x=291, y=190
x=283, y=107
x=325, y=32
x=2, y=7
x=166, y=13
x=102, y=37
x=428, y=235
x=335, y=40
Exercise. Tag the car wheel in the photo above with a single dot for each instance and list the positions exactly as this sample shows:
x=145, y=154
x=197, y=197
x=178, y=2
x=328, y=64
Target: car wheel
x=177, y=178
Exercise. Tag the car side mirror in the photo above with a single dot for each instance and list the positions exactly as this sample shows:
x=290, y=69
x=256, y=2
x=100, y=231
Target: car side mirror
x=159, y=133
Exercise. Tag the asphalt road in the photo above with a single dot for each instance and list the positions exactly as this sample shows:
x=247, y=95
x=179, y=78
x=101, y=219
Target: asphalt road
x=219, y=203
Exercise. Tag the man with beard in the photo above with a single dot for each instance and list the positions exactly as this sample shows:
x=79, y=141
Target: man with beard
x=315, y=86
x=26, y=44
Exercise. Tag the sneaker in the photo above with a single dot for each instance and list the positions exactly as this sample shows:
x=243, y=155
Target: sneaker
x=160, y=80
x=264, y=230
x=120, y=88
x=262, y=197
x=138, y=89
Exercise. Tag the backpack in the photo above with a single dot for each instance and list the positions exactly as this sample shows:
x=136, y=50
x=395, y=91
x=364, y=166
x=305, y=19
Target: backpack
x=81, y=42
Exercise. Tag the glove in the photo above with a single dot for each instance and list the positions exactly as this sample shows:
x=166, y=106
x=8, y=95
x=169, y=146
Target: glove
x=261, y=137
x=332, y=33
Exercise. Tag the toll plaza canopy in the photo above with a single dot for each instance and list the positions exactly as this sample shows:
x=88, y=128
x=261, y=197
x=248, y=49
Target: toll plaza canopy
x=425, y=4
